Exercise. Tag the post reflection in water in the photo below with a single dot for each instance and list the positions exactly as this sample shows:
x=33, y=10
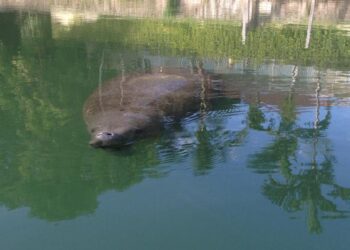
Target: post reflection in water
x=270, y=126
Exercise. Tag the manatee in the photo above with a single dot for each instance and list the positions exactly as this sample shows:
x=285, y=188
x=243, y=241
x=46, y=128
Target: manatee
x=126, y=108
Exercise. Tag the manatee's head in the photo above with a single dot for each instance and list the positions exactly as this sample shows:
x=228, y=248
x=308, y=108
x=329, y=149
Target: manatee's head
x=117, y=130
x=109, y=139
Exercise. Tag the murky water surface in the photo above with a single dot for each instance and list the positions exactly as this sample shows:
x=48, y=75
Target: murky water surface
x=262, y=163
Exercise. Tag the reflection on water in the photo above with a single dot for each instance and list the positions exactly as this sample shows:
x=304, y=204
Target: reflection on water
x=259, y=10
x=302, y=176
x=274, y=111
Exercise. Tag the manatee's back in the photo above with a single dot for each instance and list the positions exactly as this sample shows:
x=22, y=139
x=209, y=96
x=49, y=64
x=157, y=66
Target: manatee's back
x=153, y=95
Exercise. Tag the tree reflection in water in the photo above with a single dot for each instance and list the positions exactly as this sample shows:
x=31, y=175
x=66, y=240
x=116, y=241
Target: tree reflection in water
x=298, y=182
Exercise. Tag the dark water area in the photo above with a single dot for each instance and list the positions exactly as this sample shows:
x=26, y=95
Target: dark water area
x=262, y=163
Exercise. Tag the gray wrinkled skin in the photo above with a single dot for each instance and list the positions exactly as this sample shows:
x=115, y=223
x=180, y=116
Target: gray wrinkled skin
x=125, y=108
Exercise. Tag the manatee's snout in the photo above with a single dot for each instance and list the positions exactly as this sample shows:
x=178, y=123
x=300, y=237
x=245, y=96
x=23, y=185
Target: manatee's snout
x=106, y=139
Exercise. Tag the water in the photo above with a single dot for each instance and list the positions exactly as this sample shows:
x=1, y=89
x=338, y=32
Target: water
x=263, y=166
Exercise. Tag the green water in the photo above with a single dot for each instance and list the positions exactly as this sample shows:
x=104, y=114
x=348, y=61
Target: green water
x=264, y=166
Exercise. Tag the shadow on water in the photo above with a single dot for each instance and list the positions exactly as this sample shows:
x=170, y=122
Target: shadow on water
x=48, y=72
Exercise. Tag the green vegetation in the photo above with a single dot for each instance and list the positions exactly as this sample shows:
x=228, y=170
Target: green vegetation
x=217, y=40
